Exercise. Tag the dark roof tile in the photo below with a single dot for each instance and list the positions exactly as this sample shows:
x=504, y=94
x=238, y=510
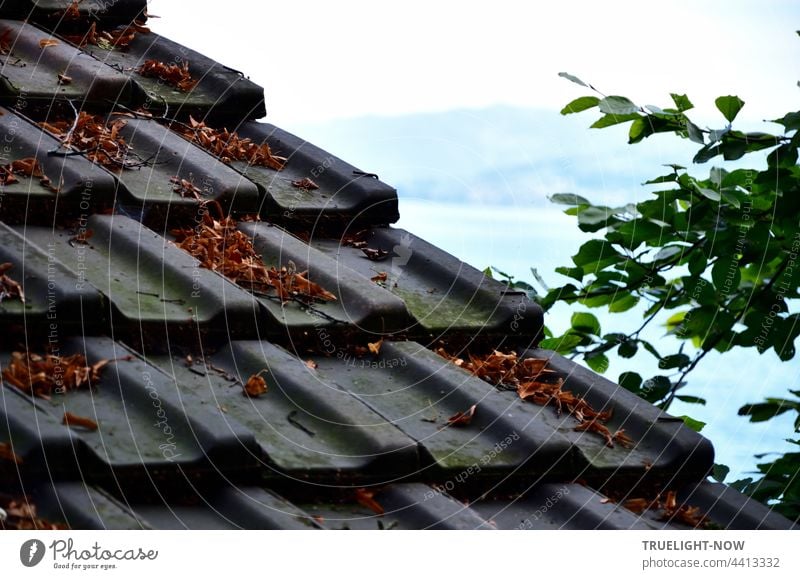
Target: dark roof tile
x=30, y=74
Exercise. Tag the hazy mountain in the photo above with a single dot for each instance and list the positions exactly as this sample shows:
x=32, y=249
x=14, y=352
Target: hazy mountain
x=499, y=155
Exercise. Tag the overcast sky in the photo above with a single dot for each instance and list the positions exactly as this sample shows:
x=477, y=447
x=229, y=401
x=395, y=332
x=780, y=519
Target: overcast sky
x=327, y=60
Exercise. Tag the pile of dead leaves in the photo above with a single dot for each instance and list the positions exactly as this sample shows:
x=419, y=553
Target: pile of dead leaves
x=667, y=503
x=9, y=288
x=119, y=37
x=28, y=167
x=229, y=146
x=220, y=247
x=98, y=141
x=533, y=381
x=176, y=75
x=21, y=515
x=43, y=375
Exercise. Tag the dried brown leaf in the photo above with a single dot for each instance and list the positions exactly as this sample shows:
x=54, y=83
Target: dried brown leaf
x=255, y=386
x=6, y=453
x=366, y=498
x=305, y=183
x=71, y=419
x=375, y=347
x=462, y=418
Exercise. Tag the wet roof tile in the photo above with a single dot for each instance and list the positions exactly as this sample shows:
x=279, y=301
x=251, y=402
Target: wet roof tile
x=35, y=59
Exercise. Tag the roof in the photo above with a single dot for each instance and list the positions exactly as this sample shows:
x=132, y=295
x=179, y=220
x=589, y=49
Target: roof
x=326, y=370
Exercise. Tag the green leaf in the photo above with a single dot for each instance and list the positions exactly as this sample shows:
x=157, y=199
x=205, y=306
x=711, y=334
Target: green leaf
x=640, y=129
x=617, y=105
x=488, y=272
x=594, y=215
x=682, y=102
x=622, y=302
x=580, y=104
x=655, y=388
x=595, y=255
x=708, y=193
x=563, y=344
x=568, y=199
x=729, y=106
x=573, y=272
x=695, y=134
x=790, y=121
x=731, y=199
x=695, y=425
x=691, y=399
x=598, y=363
x=586, y=323
x=719, y=472
x=726, y=274
x=630, y=381
x=611, y=120
x=574, y=79
x=763, y=411
x=675, y=321
x=674, y=361
x=668, y=252
x=628, y=349
x=697, y=263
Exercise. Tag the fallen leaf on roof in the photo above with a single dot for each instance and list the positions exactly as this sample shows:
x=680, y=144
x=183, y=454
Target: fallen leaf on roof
x=311, y=364
x=306, y=184
x=72, y=12
x=593, y=425
x=462, y=418
x=229, y=146
x=98, y=140
x=185, y=187
x=81, y=238
x=5, y=41
x=366, y=498
x=375, y=347
x=9, y=288
x=381, y=277
x=71, y=419
x=46, y=42
x=221, y=247
x=688, y=515
x=255, y=385
x=22, y=515
x=621, y=438
x=43, y=375
x=375, y=254
x=176, y=75
x=638, y=505
x=28, y=167
x=108, y=39
x=535, y=382
x=6, y=453
x=64, y=79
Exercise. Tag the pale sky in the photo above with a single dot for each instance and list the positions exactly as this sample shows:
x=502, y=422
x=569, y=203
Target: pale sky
x=328, y=60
